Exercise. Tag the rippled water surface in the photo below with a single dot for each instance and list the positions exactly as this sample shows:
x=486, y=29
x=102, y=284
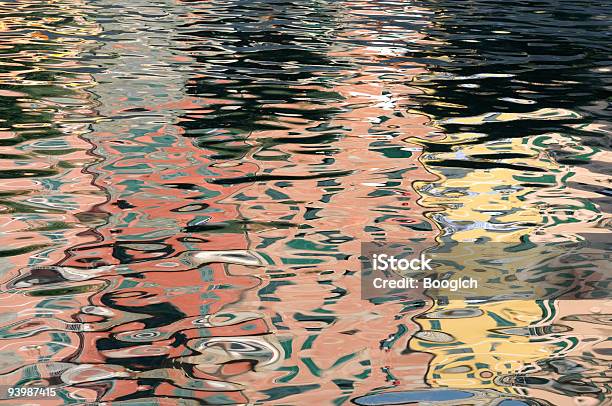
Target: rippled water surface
x=185, y=185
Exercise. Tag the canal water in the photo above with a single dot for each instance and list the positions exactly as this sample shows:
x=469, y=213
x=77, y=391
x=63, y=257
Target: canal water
x=185, y=187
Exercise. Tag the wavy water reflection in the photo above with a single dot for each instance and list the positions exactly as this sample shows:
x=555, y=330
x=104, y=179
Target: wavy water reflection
x=186, y=185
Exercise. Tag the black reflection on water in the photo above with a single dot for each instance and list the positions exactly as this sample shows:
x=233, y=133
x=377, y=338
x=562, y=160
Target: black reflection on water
x=551, y=48
x=128, y=252
x=536, y=55
x=254, y=61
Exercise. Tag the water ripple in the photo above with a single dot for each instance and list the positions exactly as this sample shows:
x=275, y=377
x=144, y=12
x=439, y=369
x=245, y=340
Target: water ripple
x=185, y=186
